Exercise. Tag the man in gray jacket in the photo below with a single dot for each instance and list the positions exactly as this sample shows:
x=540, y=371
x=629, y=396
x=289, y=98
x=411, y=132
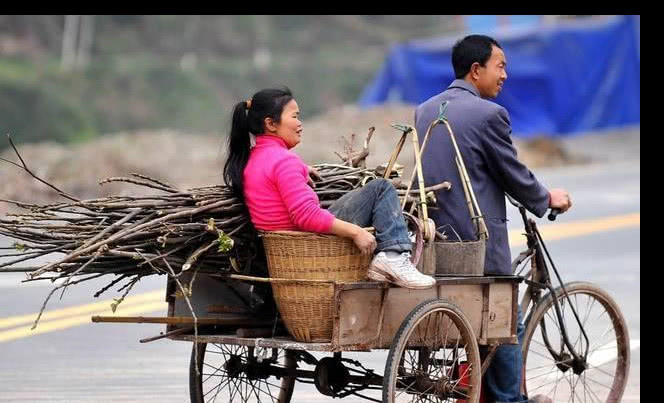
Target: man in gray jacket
x=482, y=131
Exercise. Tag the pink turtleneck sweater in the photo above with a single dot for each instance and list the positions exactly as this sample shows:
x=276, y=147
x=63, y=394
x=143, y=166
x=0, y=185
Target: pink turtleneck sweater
x=276, y=190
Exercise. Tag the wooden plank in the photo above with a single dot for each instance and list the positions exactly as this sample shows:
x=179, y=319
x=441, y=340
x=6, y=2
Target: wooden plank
x=500, y=310
x=468, y=297
x=358, y=315
x=483, y=335
x=399, y=302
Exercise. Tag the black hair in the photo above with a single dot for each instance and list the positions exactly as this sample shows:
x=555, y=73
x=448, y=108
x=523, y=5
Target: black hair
x=471, y=49
x=249, y=116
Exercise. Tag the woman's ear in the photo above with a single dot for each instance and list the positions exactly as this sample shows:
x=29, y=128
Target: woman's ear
x=269, y=125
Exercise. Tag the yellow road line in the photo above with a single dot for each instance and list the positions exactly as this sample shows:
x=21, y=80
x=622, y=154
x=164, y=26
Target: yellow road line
x=44, y=327
x=147, y=297
x=552, y=232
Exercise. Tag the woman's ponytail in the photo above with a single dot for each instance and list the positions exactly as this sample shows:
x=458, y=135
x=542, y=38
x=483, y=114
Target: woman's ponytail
x=238, y=149
x=249, y=117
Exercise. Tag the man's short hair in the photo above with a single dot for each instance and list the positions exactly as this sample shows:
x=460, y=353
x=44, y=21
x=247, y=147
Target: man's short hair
x=471, y=49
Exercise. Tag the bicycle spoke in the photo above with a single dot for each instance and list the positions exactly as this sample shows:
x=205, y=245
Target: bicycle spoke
x=590, y=307
x=563, y=301
x=406, y=388
x=555, y=369
x=218, y=389
x=468, y=369
x=547, y=356
x=442, y=349
x=218, y=386
x=556, y=381
x=592, y=392
x=213, y=367
x=270, y=391
x=600, y=384
x=603, y=336
x=600, y=370
x=216, y=370
x=574, y=388
x=553, y=363
x=554, y=319
x=232, y=388
x=571, y=396
x=587, y=315
x=555, y=386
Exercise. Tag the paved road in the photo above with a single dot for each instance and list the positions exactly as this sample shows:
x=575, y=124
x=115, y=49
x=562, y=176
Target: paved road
x=105, y=362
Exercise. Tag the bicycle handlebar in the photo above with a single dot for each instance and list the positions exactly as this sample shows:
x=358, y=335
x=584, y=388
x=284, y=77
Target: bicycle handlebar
x=554, y=212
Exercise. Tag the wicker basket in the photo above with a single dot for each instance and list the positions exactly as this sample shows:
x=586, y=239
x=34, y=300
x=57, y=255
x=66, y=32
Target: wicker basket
x=306, y=307
x=453, y=259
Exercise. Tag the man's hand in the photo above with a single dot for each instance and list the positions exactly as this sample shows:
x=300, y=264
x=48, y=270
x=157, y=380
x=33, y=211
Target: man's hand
x=313, y=175
x=365, y=242
x=560, y=199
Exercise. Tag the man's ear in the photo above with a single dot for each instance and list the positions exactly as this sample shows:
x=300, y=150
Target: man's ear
x=269, y=125
x=475, y=71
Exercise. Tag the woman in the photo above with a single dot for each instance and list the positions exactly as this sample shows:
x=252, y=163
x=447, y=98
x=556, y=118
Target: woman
x=274, y=183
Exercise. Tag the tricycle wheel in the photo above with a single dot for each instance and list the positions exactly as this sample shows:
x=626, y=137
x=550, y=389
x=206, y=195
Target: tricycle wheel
x=231, y=373
x=434, y=357
x=550, y=369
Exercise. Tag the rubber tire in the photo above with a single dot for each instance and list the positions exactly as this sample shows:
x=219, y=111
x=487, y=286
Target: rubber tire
x=619, y=324
x=403, y=334
x=195, y=380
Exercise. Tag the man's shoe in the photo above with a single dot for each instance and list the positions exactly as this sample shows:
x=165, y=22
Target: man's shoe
x=540, y=399
x=399, y=270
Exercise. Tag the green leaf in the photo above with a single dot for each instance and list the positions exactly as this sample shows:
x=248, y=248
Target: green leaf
x=225, y=242
x=115, y=304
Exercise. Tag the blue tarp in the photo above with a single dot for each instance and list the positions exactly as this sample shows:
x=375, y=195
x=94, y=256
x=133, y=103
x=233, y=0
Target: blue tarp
x=563, y=79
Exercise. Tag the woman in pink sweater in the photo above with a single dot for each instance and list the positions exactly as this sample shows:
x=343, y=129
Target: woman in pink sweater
x=275, y=185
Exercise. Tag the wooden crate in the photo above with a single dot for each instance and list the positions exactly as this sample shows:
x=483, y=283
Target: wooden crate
x=368, y=314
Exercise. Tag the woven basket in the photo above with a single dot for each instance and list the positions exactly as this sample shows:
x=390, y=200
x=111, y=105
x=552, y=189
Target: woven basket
x=306, y=307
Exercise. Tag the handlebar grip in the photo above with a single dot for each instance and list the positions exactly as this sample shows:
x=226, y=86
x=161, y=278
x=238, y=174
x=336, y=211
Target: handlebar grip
x=554, y=212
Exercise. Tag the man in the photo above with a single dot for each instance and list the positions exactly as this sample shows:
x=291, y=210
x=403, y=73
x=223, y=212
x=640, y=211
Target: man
x=482, y=131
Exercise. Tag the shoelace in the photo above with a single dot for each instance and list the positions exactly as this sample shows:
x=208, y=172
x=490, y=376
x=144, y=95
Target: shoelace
x=405, y=266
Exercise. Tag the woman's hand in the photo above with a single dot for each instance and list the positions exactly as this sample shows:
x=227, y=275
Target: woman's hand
x=364, y=241
x=362, y=238
x=314, y=175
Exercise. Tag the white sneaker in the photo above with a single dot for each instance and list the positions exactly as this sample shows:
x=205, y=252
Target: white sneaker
x=376, y=276
x=540, y=399
x=398, y=270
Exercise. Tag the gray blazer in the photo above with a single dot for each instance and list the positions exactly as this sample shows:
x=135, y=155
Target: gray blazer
x=482, y=131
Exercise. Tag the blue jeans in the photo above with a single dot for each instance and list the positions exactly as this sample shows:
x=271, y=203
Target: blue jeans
x=502, y=381
x=376, y=205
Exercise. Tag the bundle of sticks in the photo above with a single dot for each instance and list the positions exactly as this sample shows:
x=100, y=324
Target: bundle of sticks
x=130, y=237
x=168, y=232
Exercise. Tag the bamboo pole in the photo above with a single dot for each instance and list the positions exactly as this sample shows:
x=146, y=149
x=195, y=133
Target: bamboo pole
x=483, y=231
x=183, y=320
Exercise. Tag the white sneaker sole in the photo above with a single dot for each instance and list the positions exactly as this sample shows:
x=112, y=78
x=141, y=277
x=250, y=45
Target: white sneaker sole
x=373, y=275
x=375, y=272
